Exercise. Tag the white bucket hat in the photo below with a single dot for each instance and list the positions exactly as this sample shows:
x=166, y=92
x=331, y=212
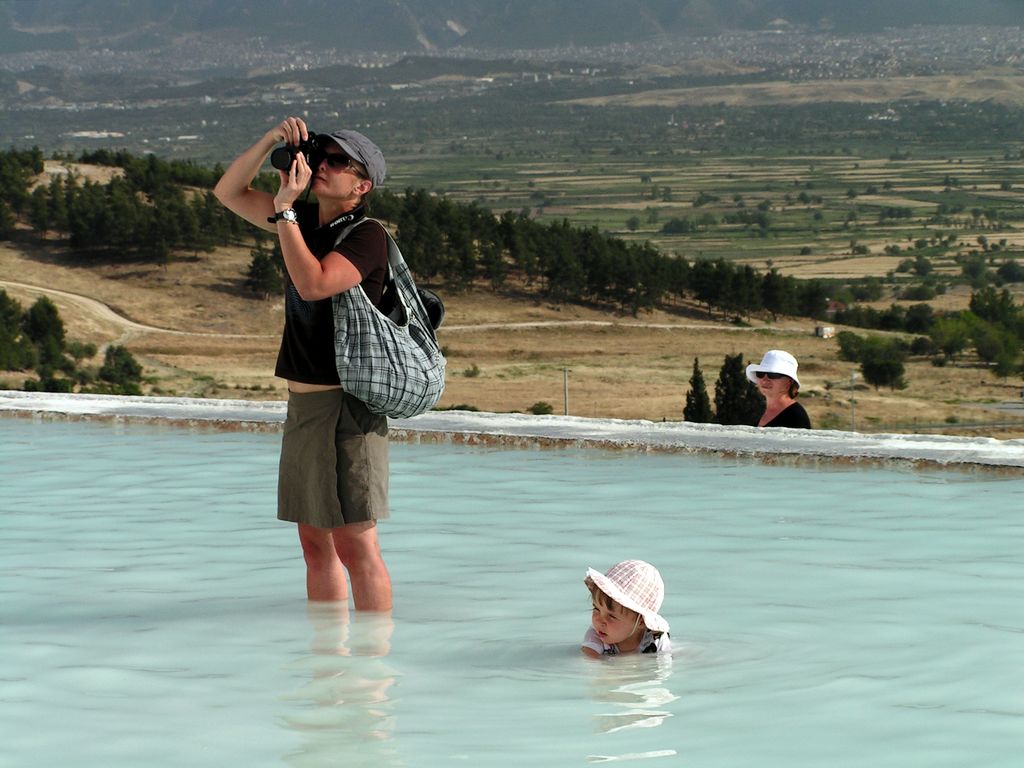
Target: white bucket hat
x=635, y=585
x=774, y=361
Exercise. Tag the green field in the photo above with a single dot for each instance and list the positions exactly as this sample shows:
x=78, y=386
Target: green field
x=757, y=208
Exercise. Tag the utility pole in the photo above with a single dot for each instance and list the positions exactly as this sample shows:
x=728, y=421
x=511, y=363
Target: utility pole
x=565, y=389
x=853, y=402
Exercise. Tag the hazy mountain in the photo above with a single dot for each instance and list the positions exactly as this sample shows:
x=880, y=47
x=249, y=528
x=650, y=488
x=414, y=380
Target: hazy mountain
x=437, y=25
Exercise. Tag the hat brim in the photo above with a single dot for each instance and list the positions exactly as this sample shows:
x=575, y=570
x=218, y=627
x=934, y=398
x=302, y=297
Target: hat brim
x=753, y=368
x=353, y=152
x=652, y=620
x=348, y=149
x=362, y=150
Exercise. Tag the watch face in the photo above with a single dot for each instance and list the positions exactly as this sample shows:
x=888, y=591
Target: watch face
x=289, y=214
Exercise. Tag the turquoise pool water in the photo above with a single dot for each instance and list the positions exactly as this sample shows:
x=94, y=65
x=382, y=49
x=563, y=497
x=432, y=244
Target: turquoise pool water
x=152, y=611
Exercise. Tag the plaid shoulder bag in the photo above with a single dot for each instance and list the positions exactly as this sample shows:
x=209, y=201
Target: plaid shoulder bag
x=391, y=362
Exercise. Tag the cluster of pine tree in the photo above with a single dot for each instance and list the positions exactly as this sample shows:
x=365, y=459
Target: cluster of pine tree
x=17, y=170
x=993, y=326
x=121, y=219
x=154, y=207
x=737, y=401
x=34, y=340
x=462, y=243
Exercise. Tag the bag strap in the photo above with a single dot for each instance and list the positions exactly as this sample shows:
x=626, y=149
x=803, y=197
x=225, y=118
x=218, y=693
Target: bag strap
x=404, y=295
x=348, y=230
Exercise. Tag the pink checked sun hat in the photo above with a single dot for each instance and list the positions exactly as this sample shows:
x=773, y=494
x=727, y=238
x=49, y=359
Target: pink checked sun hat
x=635, y=585
x=774, y=361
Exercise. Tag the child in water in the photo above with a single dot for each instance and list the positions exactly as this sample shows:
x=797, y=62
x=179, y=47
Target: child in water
x=625, y=616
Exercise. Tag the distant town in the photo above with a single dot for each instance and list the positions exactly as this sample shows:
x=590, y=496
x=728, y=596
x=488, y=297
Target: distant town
x=782, y=51
x=170, y=99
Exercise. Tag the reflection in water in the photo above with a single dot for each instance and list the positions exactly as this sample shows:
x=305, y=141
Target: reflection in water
x=634, y=690
x=342, y=712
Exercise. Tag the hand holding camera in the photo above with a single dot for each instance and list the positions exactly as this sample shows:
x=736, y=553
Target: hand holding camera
x=311, y=148
x=301, y=144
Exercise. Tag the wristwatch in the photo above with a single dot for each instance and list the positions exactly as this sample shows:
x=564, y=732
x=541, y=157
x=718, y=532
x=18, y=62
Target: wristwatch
x=288, y=214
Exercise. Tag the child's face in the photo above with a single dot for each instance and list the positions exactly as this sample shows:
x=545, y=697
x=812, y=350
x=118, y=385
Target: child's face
x=616, y=625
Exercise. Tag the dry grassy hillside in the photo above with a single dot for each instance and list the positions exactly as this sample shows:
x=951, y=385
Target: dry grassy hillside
x=198, y=333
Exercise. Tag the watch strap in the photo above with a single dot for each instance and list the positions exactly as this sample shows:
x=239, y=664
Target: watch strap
x=288, y=214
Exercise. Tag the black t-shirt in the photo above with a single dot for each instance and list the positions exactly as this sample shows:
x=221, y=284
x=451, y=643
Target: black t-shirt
x=794, y=417
x=307, y=343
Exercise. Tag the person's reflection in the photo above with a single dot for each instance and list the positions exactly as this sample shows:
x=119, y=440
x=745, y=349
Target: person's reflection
x=343, y=710
x=636, y=687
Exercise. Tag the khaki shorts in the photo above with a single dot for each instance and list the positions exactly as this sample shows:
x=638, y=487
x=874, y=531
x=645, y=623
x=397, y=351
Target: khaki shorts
x=334, y=461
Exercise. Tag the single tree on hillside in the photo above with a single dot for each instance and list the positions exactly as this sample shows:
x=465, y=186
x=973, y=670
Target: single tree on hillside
x=265, y=269
x=16, y=351
x=43, y=326
x=737, y=401
x=121, y=371
x=881, y=362
x=698, y=404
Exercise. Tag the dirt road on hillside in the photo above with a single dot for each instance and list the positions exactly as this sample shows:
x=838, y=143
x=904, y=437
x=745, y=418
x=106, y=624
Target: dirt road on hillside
x=133, y=329
x=130, y=328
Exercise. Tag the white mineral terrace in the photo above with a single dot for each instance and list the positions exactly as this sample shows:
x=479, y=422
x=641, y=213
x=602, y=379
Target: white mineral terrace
x=521, y=430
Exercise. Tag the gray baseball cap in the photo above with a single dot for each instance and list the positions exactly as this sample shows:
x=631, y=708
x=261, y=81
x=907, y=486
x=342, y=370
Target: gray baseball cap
x=360, y=148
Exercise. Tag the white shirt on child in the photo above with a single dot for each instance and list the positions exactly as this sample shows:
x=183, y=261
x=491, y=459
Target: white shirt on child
x=649, y=643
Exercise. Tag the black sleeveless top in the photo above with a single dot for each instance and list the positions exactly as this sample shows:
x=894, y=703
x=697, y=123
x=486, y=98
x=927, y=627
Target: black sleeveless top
x=307, y=342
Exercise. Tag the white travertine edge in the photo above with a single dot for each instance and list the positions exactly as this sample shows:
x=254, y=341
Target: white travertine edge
x=524, y=430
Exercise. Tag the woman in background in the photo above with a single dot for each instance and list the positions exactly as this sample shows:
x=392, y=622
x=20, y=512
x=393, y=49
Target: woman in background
x=775, y=377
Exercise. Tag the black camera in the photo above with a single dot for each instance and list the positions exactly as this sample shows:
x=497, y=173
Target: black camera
x=282, y=157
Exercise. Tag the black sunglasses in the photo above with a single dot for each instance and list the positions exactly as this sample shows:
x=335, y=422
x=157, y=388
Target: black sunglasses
x=336, y=161
x=762, y=374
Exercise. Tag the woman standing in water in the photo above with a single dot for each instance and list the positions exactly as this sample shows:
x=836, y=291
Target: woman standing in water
x=333, y=476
